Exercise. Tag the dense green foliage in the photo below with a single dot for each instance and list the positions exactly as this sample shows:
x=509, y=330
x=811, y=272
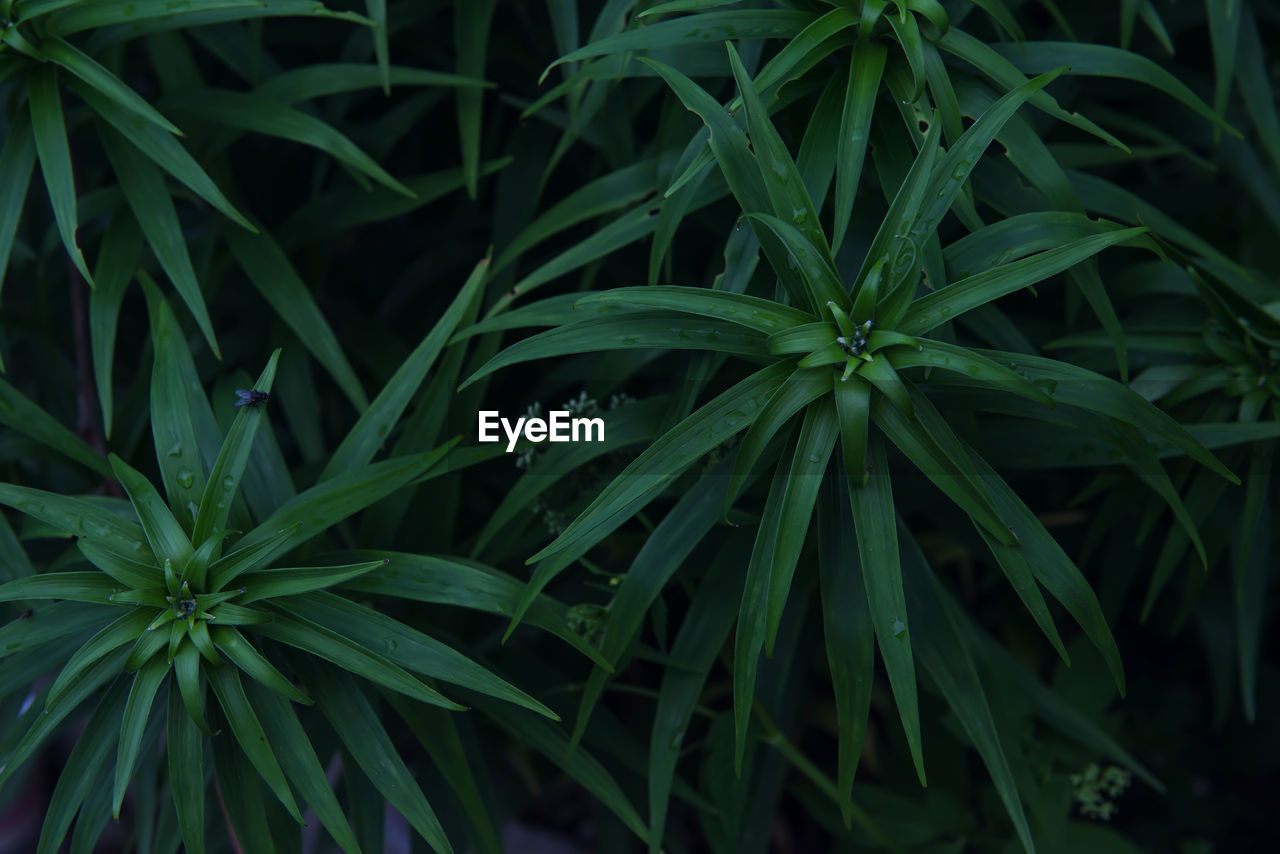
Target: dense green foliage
x=938, y=349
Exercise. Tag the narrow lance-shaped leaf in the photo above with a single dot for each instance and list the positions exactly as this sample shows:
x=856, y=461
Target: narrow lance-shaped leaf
x=17, y=159
x=1107, y=61
x=45, y=724
x=702, y=636
x=631, y=330
x=137, y=712
x=875, y=523
x=424, y=578
x=152, y=206
x=948, y=303
x=327, y=644
x=846, y=621
x=55, y=158
x=376, y=422
x=410, y=648
x=21, y=414
x=182, y=467
x=948, y=178
x=82, y=769
x=270, y=271
x=244, y=655
x=250, y=735
x=260, y=114
x=298, y=759
x=224, y=479
x=995, y=66
x=818, y=436
x=755, y=313
x=322, y=506
x=860, y=96
x=741, y=171
x=357, y=725
x=753, y=612
x=186, y=671
x=471, y=35
x=120, y=632
x=891, y=247
x=292, y=580
x=117, y=260
x=941, y=647
x=797, y=391
x=167, y=539
x=163, y=148
x=71, y=586
x=787, y=194
x=185, y=748
x=95, y=75
x=728, y=414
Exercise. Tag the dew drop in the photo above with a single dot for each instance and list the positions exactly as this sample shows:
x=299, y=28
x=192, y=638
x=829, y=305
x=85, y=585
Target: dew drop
x=898, y=627
x=185, y=478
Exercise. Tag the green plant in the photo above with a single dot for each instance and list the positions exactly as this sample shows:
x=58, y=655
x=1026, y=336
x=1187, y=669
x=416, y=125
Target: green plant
x=888, y=440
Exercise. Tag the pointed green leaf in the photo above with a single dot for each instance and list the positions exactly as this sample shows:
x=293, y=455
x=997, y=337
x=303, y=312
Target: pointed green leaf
x=55, y=158
x=137, y=712
x=82, y=769
x=846, y=621
x=99, y=78
x=120, y=632
x=259, y=114
x=20, y=413
x=17, y=158
x=791, y=202
x=796, y=391
x=755, y=313
x=1106, y=61
x=875, y=524
x=72, y=586
x=666, y=458
x=45, y=724
x=185, y=748
x=859, y=103
x=153, y=208
x=630, y=330
x=298, y=759
x=377, y=421
x=270, y=271
x=818, y=436
x=320, y=507
x=186, y=672
x=356, y=723
x=245, y=655
x=250, y=735
x=167, y=539
x=932, y=310
x=224, y=478
x=411, y=649
x=163, y=149
x=942, y=650
x=292, y=580
x=311, y=637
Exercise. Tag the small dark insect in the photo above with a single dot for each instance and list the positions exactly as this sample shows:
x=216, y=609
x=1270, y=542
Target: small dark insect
x=25, y=615
x=251, y=397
